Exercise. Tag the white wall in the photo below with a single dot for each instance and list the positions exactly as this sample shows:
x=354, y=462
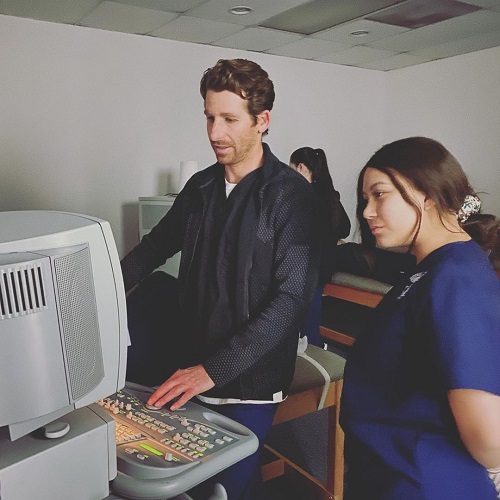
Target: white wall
x=90, y=120
x=456, y=101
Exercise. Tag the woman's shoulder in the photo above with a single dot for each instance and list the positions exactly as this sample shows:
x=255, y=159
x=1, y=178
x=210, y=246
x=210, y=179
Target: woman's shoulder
x=459, y=263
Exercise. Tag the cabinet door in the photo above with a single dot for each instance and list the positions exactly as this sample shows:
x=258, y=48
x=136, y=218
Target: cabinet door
x=151, y=211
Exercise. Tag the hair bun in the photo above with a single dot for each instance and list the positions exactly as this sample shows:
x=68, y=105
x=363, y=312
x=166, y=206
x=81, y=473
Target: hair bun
x=471, y=205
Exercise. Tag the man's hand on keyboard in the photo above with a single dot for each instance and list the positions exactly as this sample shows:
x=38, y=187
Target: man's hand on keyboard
x=184, y=384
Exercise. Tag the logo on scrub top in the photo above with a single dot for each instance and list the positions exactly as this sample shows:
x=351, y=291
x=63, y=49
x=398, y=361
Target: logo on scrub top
x=413, y=280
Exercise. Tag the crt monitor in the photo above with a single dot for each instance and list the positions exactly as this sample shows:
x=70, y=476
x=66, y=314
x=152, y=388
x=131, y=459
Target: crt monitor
x=63, y=322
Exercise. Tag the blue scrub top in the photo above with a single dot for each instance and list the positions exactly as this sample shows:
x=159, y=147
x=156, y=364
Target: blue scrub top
x=439, y=329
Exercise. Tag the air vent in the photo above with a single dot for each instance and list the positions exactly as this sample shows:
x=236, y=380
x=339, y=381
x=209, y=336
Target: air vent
x=22, y=291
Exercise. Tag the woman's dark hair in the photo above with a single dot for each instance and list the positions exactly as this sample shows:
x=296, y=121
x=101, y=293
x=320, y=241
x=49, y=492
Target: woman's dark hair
x=316, y=163
x=244, y=78
x=434, y=171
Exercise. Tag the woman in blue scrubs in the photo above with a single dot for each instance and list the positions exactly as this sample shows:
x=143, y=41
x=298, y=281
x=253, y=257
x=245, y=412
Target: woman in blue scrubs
x=421, y=399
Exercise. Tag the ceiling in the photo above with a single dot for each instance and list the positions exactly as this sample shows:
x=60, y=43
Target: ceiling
x=375, y=34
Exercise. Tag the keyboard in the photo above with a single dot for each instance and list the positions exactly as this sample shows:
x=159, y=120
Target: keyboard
x=161, y=453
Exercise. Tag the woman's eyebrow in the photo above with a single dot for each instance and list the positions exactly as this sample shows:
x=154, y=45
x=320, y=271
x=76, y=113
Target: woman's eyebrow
x=377, y=184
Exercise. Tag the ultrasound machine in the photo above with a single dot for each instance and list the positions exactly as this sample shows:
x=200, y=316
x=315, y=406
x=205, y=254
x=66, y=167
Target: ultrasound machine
x=70, y=427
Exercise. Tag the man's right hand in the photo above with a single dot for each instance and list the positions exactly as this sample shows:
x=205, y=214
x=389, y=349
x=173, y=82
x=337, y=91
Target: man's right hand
x=185, y=384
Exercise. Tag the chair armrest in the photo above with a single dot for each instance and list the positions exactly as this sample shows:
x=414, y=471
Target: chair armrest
x=360, y=283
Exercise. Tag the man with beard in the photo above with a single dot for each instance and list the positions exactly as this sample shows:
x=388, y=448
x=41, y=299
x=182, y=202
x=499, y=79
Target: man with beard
x=249, y=265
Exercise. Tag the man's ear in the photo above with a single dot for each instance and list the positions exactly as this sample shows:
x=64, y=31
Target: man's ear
x=263, y=121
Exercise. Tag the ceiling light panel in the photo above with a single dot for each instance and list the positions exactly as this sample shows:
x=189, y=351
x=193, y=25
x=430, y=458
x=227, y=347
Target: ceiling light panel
x=257, y=39
x=436, y=34
x=218, y=10
x=67, y=11
x=420, y=13
x=194, y=29
x=126, y=18
x=322, y=14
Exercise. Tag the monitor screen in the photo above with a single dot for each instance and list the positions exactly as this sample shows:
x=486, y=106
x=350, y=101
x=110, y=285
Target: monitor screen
x=63, y=323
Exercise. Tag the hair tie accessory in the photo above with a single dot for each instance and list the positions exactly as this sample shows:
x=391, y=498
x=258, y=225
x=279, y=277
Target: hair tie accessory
x=472, y=205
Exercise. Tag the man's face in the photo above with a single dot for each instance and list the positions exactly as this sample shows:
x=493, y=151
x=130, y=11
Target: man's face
x=234, y=136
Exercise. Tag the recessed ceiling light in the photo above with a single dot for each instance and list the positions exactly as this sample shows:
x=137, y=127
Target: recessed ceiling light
x=240, y=10
x=360, y=33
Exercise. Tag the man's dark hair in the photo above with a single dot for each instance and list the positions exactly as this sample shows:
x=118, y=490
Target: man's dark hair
x=244, y=78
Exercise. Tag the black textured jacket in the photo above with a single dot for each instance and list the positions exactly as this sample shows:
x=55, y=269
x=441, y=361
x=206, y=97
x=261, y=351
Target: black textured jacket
x=277, y=273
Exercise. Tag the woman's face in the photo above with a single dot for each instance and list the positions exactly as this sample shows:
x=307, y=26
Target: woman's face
x=390, y=218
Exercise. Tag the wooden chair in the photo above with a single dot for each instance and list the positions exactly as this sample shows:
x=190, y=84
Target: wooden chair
x=321, y=380
x=357, y=294
x=317, y=384
x=355, y=290
x=366, y=293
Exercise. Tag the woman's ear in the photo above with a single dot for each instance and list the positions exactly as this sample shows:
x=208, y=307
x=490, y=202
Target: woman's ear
x=429, y=203
x=304, y=171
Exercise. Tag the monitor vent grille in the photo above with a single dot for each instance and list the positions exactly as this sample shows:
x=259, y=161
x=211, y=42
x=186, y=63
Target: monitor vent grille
x=79, y=321
x=22, y=291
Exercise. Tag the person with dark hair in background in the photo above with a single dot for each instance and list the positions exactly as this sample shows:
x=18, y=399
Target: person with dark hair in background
x=334, y=222
x=421, y=398
x=249, y=266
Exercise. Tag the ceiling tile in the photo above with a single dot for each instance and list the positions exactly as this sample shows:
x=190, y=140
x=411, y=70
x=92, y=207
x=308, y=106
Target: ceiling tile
x=355, y=56
x=163, y=5
x=209, y=22
x=420, y=13
x=317, y=15
x=257, y=39
x=308, y=48
x=439, y=33
x=483, y=3
x=218, y=10
x=194, y=29
x=125, y=18
x=456, y=47
x=393, y=62
x=342, y=34
x=69, y=11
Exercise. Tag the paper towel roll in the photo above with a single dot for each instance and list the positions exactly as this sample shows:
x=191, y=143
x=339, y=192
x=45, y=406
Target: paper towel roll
x=186, y=170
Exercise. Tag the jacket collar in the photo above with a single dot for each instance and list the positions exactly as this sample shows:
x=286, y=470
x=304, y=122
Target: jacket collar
x=270, y=167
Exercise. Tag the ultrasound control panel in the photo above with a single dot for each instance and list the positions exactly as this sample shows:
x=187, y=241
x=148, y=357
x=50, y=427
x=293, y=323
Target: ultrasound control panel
x=161, y=453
